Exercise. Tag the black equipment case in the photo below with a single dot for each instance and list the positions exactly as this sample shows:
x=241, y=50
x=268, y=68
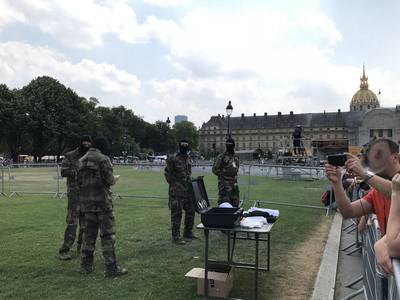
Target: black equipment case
x=213, y=217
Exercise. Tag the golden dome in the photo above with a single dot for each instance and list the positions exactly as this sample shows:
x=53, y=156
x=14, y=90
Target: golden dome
x=364, y=99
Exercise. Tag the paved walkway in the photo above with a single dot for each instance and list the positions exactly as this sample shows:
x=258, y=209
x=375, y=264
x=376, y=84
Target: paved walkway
x=349, y=266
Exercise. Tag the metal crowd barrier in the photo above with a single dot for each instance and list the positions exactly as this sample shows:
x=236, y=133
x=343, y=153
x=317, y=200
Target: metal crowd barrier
x=33, y=179
x=394, y=281
x=374, y=281
x=290, y=172
x=375, y=286
x=45, y=179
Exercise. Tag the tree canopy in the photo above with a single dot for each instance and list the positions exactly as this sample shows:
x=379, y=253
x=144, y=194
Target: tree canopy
x=47, y=118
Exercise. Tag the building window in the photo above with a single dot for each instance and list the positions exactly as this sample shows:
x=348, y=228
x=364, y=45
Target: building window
x=371, y=133
x=390, y=133
x=380, y=133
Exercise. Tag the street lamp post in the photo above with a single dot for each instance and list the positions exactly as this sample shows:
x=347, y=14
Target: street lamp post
x=125, y=151
x=168, y=123
x=229, y=110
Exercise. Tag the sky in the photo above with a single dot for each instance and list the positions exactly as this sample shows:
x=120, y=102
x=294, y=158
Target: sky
x=163, y=58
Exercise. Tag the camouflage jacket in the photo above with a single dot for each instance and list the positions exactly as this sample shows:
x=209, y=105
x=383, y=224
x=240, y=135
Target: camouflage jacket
x=178, y=174
x=226, y=166
x=69, y=169
x=95, y=178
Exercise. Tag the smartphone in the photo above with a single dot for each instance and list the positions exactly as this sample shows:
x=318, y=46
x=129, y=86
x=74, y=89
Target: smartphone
x=337, y=160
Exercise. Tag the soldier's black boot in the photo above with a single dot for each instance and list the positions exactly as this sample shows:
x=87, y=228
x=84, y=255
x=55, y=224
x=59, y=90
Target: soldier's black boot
x=177, y=240
x=189, y=221
x=87, y=265
x=176, y=236
x=189, y=235
x=64, y=254
x=112, y=270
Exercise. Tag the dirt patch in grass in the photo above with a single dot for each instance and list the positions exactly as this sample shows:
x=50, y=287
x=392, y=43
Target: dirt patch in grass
x=302, y=265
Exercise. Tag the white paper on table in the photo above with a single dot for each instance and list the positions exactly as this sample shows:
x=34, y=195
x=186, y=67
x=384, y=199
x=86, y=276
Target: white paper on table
x=253, y=222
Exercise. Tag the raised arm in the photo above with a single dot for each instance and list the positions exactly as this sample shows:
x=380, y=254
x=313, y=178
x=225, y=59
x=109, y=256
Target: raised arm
x=383, y=186
x=348, y=209
x=393, y=226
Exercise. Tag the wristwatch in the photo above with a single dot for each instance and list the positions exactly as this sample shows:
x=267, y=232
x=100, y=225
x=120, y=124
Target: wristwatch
x=368, y=175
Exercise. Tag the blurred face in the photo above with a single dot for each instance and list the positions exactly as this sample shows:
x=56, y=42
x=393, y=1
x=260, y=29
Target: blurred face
x=380, y=160
x=230, y=147
x=86, y=144
x=184, y=147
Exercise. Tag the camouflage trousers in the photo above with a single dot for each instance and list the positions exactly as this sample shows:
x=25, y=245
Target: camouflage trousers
x=74, y=217
x=228, y=191
x=177, y=204
x=94, y=222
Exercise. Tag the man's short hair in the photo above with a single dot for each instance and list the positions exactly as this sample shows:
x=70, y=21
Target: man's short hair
x=393, y=146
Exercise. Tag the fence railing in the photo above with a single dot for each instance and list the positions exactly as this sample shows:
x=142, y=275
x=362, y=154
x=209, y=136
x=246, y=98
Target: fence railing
x=45, y=179
x=394, y=281
x=374, y=282
x=375, y=286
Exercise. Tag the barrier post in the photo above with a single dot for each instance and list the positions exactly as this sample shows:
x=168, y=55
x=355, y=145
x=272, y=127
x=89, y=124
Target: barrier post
x=248, y=183
x=2, y=192
x=10, y=185
x=57, y=178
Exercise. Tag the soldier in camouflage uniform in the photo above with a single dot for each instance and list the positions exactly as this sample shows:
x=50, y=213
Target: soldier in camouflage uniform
x=69, y=169
x=178, y=175
x=95, y=179
x=226, y=167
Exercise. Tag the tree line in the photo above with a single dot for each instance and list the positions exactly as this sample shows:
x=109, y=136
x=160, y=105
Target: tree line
x=47, y=118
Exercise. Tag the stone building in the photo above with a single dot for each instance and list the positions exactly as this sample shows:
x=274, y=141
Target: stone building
x=323, y=133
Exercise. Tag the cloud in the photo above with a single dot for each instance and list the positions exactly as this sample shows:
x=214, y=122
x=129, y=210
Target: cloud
x=253, y=58
x=262, y=59
x=263, y=43
x=75, y=23
x=166, y=3
x=9, y=15
x=20, y=63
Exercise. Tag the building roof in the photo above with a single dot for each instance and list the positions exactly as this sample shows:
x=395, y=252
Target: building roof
x=325, y=119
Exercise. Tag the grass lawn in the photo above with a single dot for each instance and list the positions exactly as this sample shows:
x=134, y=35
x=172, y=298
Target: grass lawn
x=31, y=231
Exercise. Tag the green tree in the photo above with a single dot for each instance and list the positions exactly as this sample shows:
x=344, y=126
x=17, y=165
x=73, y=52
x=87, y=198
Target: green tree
x=57, y=116
x=13, y=120
x=187, y=130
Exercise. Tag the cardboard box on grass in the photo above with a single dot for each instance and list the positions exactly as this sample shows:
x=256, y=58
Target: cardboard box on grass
x=219, y=283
